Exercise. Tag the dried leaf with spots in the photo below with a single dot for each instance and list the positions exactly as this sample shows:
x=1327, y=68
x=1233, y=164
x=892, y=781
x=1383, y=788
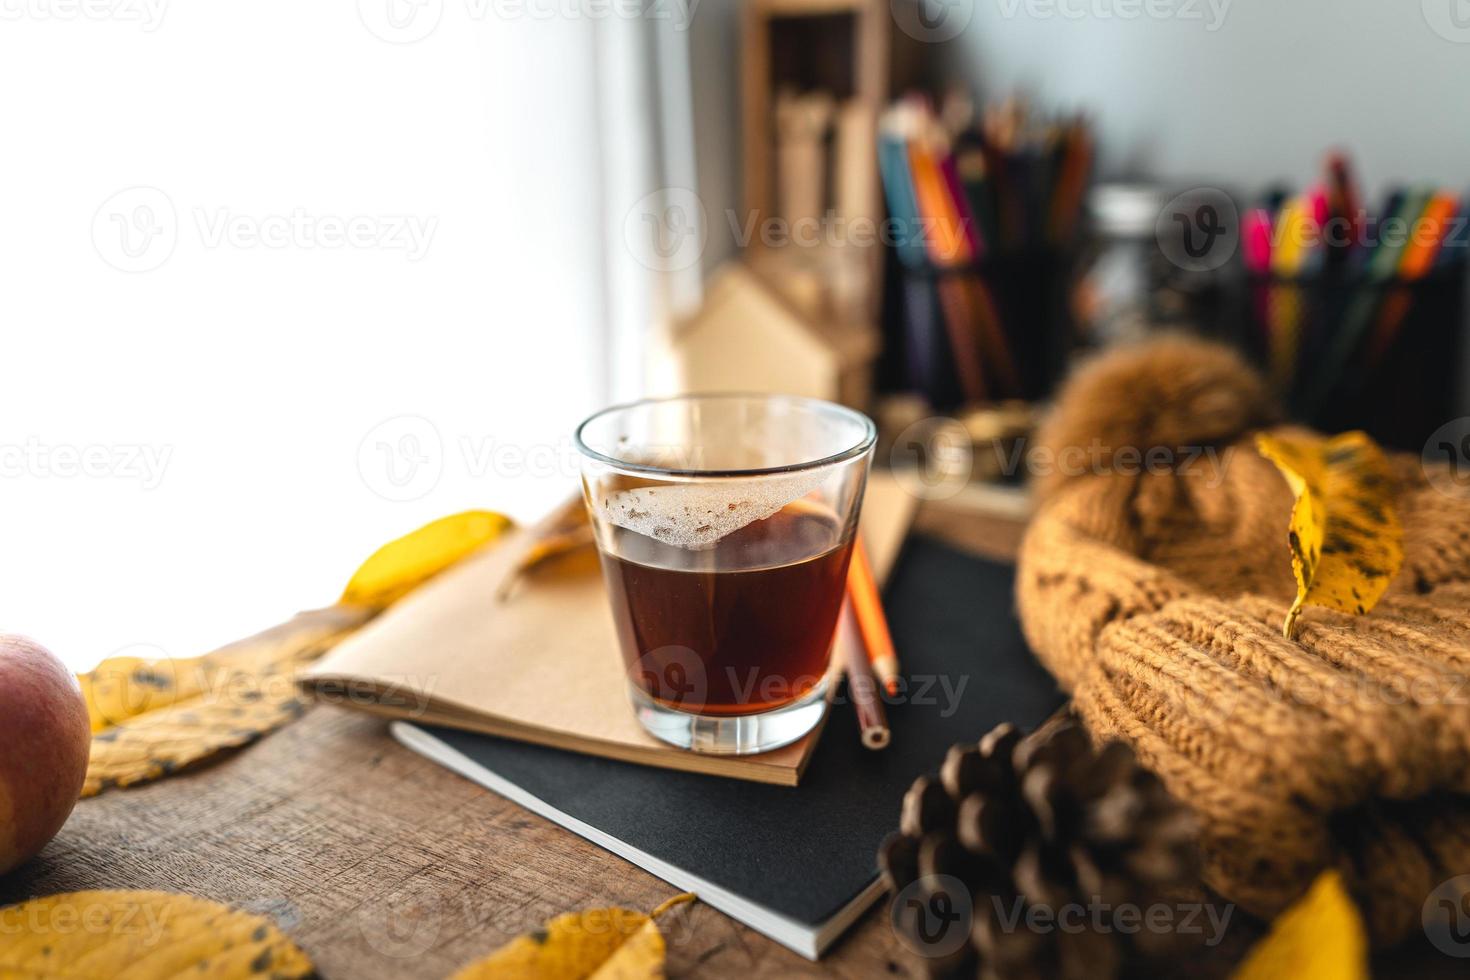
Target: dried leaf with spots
x=1321, y=937
x=604, y=944
x=151, y=718
x=402, y=565
x=140, y=935
x=1345, y=538
x=235, y=695
x=125, y=687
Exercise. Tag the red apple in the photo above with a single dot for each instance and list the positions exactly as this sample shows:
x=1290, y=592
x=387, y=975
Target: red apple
x=44, y=741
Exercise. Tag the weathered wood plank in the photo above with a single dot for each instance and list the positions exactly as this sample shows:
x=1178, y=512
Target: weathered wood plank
x=381, y=864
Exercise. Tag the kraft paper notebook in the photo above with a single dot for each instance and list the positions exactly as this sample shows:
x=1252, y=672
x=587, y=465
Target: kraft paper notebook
x=543, y=665
x=798, y=865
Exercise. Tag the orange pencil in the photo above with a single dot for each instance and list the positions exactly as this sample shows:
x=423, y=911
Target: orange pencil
x=1426, y=237
x=867, y=608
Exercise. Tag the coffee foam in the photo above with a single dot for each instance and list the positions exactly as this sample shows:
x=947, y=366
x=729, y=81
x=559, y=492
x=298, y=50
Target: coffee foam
x=695, y=516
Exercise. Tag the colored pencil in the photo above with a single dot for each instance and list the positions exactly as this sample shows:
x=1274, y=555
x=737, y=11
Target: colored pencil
x=1255, y=240
x=992, y=335
x=946, y=242
x=963, y=343
x=862, y=687
x=1071, y=182
x=1426, y=236
x=867, y=607
x=1343, y=192
x=1288, y=253
x=1376, y=263
x=956, y=189
x=1457, y=236
x=1000, y=201
x=1255, y=246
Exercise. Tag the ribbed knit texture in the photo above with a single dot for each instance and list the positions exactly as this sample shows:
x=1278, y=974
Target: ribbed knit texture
x=1157, y=598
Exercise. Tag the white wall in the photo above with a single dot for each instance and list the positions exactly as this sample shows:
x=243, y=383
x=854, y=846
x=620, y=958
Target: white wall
x=1257, y=98
x=714, y=69
x=1240, y=92
x=289, y=382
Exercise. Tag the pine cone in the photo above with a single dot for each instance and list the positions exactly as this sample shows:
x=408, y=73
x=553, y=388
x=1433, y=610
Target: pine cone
x=1039, y=845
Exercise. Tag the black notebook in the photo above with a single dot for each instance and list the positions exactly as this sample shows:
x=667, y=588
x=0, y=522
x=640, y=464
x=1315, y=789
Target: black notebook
x=797, y=864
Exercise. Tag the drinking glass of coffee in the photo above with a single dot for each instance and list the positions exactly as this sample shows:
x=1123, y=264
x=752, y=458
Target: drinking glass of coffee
x=724, y=524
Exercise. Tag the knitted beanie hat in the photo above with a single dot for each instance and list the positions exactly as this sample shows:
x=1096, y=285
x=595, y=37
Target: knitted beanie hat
x=1153, y=582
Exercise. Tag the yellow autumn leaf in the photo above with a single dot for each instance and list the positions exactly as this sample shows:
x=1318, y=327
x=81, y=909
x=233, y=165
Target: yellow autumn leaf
x=402, y=565
x=124, y=687
x=1321, y=937
x=597, y=944
x=225, y=700
x=140, y=935
x=151, y=718
x=1345, y=538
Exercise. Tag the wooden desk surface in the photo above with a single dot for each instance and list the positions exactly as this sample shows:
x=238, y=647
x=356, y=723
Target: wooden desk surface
x=381, y=864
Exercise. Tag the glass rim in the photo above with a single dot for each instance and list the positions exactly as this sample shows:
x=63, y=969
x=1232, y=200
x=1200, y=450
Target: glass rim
x=863, y=445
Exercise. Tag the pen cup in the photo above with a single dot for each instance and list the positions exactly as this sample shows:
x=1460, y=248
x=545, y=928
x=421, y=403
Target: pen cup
x=1348, y=350
x=724, y=524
